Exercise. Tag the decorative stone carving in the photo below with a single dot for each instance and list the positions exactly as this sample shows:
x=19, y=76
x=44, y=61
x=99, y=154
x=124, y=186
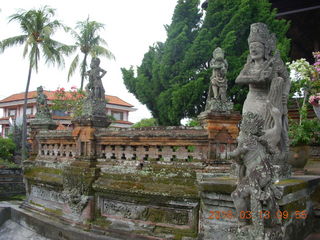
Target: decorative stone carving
x=43, y=112
x=263, y=139
x=217, y=94
x=95, y=104
x=75, y=191
x=268, y=81
x=94, y=107
x=255, y=186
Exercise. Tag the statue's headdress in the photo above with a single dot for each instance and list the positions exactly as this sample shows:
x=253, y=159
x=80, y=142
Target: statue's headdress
x=259, y=32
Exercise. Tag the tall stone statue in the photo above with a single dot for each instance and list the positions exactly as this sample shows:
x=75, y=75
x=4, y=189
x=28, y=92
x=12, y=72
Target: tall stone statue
x=263, y=145
x=94, y=108
x=217, y=94
x=95, y=87
x=268, y=80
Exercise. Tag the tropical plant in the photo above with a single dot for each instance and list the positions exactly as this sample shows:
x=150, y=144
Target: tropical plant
x=37, y=27
x=89, y=43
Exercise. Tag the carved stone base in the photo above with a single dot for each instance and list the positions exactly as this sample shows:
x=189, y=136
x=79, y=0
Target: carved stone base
x=92, y=121
x=222, y=132
x=216, y=105
x=218, y=218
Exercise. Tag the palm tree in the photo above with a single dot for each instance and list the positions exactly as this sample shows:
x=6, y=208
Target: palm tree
x=37, y=28
x=89, y=43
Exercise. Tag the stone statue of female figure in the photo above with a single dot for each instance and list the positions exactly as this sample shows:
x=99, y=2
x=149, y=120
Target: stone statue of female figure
x=268, y=81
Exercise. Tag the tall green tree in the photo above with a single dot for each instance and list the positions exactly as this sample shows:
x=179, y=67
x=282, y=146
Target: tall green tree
x=90, y=43
x=162, y=67
x=37, y=27
x=180, y=87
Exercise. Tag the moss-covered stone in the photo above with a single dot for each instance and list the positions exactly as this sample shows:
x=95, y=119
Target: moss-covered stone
x=43, y=174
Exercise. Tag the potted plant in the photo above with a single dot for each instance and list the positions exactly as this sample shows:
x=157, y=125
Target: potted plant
x=304, y=132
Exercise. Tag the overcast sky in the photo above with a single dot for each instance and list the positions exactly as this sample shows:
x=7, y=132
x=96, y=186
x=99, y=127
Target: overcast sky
x=131, y=26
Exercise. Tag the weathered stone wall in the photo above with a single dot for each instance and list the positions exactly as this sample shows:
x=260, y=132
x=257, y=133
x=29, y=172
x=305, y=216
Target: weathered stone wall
x=141, y=181
x=11, y=182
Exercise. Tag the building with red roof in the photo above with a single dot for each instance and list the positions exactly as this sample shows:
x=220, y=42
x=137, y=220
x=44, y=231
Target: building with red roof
x=13, y=108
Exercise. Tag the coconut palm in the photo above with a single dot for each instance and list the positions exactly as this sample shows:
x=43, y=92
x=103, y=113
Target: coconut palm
x=89, y=43
x=37, y=28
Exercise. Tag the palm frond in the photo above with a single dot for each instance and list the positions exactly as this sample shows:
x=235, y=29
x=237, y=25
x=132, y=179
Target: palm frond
x=9, y=42
x=73, y=66
x=101, y=51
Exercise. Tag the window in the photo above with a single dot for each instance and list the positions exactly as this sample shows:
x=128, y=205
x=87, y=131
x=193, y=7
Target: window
x=60, y=113
x=12, y=112
x=6, y=132
x=29, y=111
x=117, y=115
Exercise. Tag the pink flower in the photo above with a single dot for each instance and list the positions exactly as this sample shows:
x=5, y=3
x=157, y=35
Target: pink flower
x=315, y=99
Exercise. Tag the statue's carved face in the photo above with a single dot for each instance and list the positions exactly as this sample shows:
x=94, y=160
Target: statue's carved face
x=256, y=50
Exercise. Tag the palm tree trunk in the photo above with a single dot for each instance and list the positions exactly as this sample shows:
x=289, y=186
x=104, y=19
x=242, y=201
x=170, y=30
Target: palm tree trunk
x=24, y=117
x=84, y=66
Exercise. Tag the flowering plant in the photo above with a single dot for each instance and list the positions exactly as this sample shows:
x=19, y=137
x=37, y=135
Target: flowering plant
x=70, y=102
x=305, y=83
x=315, y=99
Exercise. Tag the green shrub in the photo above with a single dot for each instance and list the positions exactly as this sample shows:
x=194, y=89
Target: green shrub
x=7, y=148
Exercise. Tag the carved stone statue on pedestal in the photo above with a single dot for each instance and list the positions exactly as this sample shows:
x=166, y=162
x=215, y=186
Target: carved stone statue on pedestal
x=262, y=149
x=43, y=112
x=217, y=94
x=94, y=107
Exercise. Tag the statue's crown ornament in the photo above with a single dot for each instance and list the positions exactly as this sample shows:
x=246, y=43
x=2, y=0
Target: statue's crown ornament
x=259, y=32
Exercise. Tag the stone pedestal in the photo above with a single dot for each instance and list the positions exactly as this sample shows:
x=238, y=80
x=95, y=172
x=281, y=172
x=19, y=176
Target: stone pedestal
x=222, y=130
x=218, y=218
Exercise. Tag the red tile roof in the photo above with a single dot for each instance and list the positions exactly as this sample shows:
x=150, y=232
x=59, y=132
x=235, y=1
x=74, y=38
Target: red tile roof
x=50, y=94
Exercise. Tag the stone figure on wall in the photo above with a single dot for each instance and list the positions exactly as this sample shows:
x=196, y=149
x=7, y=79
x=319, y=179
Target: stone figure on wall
x=256, y=177
x=217, y=93
x=268, y=80
x=95, y=86
x=43, y=111
x=94, y=107
x=218, y=80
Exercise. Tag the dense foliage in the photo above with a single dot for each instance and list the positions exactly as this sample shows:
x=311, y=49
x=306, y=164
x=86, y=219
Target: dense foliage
x=7, y=148
x=173, y=77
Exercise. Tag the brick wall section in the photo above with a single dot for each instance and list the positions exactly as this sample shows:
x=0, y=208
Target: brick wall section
x=11, y=182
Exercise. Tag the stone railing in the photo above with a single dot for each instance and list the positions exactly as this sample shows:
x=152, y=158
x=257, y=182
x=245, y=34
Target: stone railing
x=57, y=144
x=153, y=144
x=167, y=144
